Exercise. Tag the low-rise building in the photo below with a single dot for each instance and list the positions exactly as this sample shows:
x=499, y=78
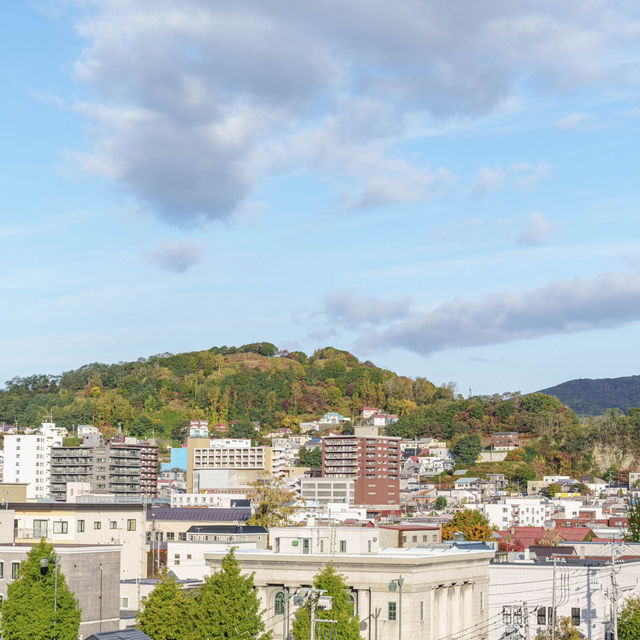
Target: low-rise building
x=322, y=491
x=506, y=440
x=517, y=511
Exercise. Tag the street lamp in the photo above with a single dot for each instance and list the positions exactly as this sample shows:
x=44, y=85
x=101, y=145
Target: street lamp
x=393, y=585
x=44, y=569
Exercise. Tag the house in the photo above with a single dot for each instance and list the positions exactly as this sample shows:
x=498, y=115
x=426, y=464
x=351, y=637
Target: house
x=383, y=419
x=367, y=412
x=506, y=440
x=122, y=634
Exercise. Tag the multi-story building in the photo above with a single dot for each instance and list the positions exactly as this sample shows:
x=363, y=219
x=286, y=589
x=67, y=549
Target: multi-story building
x=109, y=469
x=506, y=441
x=148, y=466
x=322, y=491
x=373, y=462
x=431, y=594
x=518, y=511
x=67, y=524
x=27, y=458
x=226, y=454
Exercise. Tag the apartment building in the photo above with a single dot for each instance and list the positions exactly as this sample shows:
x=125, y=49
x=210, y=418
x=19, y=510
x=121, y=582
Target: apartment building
x=373, y=462
x=108, y=469
x=518, y=511
x=148, y=466
x=227, y=454
x=27, y=458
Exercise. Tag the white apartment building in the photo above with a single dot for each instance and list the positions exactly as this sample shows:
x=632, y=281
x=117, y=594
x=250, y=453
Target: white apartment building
x=217, y=500
x=27, y=458
x=323, y=491
x=229, y=454
x=517, y=511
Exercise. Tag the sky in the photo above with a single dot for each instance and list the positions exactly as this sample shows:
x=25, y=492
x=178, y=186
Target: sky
x=449, y=190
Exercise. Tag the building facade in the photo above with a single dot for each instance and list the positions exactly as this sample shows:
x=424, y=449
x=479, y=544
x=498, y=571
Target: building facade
x=373, y=462
x=27, y=458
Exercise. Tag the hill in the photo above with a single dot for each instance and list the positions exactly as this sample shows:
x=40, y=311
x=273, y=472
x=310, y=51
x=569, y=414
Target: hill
x=589, y=397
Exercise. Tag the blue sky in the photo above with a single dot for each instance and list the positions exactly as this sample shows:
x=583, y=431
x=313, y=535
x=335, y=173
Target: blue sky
x=447, y=189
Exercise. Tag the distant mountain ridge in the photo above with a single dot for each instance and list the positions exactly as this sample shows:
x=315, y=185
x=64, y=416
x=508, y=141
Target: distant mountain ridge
x=591, y=397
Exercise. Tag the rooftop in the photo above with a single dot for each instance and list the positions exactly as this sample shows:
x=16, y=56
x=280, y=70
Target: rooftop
x=199, y=514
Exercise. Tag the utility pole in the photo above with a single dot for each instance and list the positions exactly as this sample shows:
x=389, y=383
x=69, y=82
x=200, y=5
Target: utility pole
x=614, y=593
x=553, y=603
x=525, y=615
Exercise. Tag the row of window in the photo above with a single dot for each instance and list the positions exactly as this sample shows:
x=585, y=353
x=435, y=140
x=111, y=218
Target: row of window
x=40, y=527
x=545, y=615
x=14, y=570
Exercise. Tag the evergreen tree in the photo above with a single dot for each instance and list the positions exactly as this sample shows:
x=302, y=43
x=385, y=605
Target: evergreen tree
x=347, y=627
x=28, y=611
x=163, y=613
x=629, y=620
x=227, y=606
x=633, y=514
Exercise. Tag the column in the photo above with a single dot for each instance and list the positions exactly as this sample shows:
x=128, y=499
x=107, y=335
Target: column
x=443, y=609
x=455, y=615
x=431, y=612
x=467, y=605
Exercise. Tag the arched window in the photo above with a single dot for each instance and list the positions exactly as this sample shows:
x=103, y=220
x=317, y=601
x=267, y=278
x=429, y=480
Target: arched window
x=278, y=603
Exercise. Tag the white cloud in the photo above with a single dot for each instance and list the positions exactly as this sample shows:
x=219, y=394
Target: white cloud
x=187, y=98
x=569, y=306
x=488, y=179
x=538, y=232
x=528, y=175
x=177, y=256
x=352, y=310
x=572, y=121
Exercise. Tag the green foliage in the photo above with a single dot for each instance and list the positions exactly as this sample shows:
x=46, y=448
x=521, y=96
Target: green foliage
x=632, y=533
x=163, y=613
x=244, y=429
x=28, y=611
x=440, y=503
x=310, y=458
x=467, y=449
x=552, y=490
x=227, y=605
x=275, y=503
x=629, y=620
x=347, y=627
x=565, y=630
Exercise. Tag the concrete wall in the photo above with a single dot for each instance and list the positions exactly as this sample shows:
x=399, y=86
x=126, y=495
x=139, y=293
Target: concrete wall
x=93, y=575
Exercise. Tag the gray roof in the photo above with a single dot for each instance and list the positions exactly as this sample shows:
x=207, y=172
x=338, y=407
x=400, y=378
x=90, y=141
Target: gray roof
x=121, y=634
x=225, y=528
x=199, y=514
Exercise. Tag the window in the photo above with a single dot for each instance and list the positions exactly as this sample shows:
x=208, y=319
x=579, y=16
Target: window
x=124, y=603
x=421, y=610
x=278, y=603
x=61, y=527
x=39, y=528
x=170, y=535
x=343, y=546
x=80, y=526
x=131, y=525
x=113, y=524
x=575, y=616
x=97, y=524
x=188, y=556
x=1, y=570
x=182, y=536
x=391, y=612
x=15, y=566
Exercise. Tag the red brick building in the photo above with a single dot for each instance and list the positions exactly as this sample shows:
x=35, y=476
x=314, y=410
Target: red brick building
x=373, y=461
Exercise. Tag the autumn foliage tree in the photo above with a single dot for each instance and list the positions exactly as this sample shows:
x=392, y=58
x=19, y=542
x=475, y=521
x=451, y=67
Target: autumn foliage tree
x=471, y=523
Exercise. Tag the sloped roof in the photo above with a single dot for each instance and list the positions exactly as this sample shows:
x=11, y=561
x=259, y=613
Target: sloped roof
x=199, y=514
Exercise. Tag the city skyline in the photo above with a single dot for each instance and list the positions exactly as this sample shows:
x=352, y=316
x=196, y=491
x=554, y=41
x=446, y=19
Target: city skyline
x=447, y=191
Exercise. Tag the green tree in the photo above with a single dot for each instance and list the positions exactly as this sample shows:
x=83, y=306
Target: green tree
x=565, y=630
x=227, y=605
x=551, y=490
x=440, y=503
x=275, y=503
x=310, y=458
x=347, y=627
x=471, y=523
x=164, y=611
x=467, y=449
x=632, y=533
x=28, y=611
x=629, y=620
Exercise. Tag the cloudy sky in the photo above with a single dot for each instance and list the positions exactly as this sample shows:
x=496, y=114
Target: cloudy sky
x=449, y=189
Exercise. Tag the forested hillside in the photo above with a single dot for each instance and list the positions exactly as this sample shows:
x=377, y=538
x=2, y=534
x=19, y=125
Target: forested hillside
x=589, y=397
x=256, y=382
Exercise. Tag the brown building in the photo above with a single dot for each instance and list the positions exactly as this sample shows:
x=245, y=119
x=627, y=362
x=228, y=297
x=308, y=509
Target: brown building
x=506, y=440
x=372, y=461
x=148, y=467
